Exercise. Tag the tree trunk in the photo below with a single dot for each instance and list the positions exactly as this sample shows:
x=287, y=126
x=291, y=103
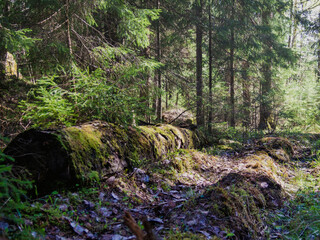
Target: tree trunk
x=318, y=70
x=232, y=48
x=226, y=115
x=89, y=151
x=68, y=28
x=3, y=54
x=3, y=50
x=246, y=95
x=167, y=93
x=266, y=82
x=290, y=28
x=200, y=113
x=295, y=25
x=210, y=117
x=145, y=90
x=158, y=74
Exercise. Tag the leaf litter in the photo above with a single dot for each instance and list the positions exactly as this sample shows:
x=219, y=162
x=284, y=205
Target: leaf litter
x=189, y=193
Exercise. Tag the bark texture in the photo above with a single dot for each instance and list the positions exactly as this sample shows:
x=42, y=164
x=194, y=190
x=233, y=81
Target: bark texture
x=266, y=82
x=200, y=113
x=88, y=152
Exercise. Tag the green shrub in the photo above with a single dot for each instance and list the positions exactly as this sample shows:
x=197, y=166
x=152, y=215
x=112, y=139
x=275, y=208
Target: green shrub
x=300, y=218
x=12, y=190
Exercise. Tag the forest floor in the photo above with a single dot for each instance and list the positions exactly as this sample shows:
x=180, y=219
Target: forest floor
x=231, y=191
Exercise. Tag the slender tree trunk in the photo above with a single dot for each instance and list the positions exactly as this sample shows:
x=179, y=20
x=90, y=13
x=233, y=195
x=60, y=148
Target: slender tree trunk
x=210, y=117
x=200, y=113
x=227, y=100
x=318, y=70
x=232, y=98
x=265, y=103
x=167, y=94
x=177, y=99
x=158, y=74
x=291, y=24
x=145, y=90
x=3, y=54
x=246, y=96
x=68, y=28
x=3, y=50
x=295, y=25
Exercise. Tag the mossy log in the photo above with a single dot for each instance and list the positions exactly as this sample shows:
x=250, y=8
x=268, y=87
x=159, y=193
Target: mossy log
x=237, y=201
x=277, y=147
x=90, y=151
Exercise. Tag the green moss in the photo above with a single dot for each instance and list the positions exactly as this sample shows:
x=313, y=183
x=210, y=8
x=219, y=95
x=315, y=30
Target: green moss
x=278, y=147
x=166, y=138
x=108, y=148
x=280, y=155
x=177, y=235
x=237, y=201
x=160, y=140
x=86, y=150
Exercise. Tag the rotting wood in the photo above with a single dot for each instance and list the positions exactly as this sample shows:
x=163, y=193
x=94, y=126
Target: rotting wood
x=86, y=153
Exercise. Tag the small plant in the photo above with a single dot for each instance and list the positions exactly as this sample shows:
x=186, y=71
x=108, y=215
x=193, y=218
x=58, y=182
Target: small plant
x=300, y=218
x=12, y=191
x=94, y=177
x=48, y=106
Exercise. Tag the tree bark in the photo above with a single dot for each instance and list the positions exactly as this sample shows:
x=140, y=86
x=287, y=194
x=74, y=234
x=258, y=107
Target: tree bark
x=3, y=54
x=231, y=68
x=266, y=82
x=200, y=113
x=145, y=90
x=69, y=28
x=3, y=50
x=158, y=74
x=295, y=25
x=318, y=70
x=226, y=115
x=246, y=95
x=92, y=150
x=210, y=117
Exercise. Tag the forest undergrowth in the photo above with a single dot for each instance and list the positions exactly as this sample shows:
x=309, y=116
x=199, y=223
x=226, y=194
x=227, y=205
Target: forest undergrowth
x=230, y=190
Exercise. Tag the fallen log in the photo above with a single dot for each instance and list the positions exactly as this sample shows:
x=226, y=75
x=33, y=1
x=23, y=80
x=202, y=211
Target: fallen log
x=87, y=152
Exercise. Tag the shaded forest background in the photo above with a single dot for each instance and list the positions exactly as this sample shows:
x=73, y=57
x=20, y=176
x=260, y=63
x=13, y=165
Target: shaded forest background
x=92, y=71
x=235, y=63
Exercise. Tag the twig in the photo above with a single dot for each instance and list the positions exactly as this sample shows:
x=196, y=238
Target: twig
x=133, y=226
x=5, y=203
x=181, y=114
x=136, y=230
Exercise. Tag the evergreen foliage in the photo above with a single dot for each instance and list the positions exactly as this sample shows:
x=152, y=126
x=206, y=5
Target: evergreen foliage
x=244, y=68
x=12, y=192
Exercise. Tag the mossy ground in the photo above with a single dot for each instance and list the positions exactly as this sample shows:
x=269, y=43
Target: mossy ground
x=187, y=194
